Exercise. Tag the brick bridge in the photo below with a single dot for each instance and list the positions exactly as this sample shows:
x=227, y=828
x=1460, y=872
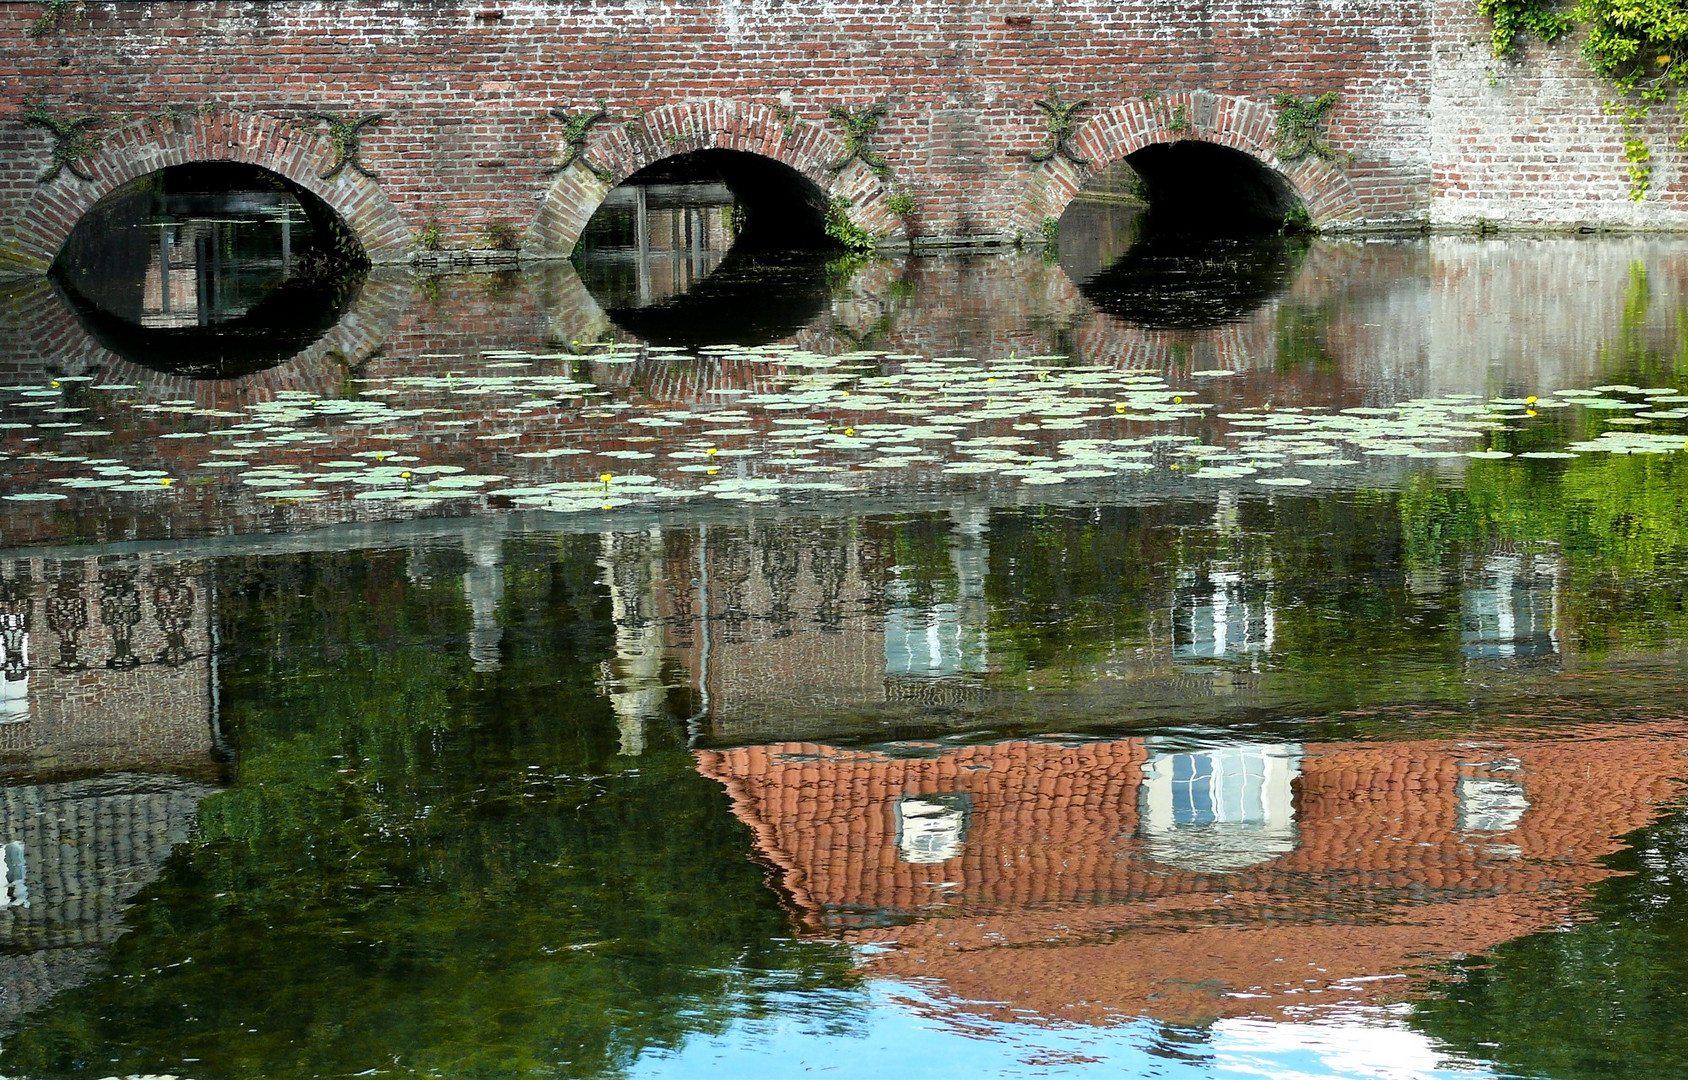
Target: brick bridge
x=398, y=114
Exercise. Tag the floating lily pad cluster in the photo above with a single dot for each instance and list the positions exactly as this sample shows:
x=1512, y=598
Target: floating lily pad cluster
x=574, y=431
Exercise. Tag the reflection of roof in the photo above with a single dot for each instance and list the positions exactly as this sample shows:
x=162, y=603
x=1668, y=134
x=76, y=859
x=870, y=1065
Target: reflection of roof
x=75, y=853
x=1057, y=898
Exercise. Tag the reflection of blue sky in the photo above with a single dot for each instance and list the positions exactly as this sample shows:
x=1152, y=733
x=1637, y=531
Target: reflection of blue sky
x=894, y=1030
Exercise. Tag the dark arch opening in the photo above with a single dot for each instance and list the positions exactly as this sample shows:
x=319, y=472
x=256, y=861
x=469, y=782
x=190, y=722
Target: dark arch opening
x=1201, y=187
x=710, y=247
x=1183, y=235
x=211, y=271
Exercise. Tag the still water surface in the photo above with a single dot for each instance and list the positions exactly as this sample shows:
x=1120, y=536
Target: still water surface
x=1202, y=664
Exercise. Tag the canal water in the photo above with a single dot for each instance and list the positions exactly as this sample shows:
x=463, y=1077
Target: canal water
x=1161, y=656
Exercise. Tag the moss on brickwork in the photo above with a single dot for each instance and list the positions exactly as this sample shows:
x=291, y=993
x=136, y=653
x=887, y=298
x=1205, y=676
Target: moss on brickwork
x=1300, y=122
x=346, y=136
x=577, y=128
x=73, y=141
x=1061, y=118
x=860, y=125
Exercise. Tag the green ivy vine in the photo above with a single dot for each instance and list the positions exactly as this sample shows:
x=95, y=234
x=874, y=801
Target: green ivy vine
x=1516, y=18
x=1300, y=127
x=73, y=141
x=53, y=15
x=1641, y=46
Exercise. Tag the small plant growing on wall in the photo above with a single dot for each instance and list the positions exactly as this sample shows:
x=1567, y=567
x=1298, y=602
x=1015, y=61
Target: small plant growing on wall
x=790, y=124
x=848, y=234
x=1298, y=222
x=53, y=15
x=432, y=236
x=900, y=203
x=499, y=235
x=1049, y=230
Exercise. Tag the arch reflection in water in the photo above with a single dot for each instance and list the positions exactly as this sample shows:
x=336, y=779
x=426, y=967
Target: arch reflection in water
x=209, y=271
x=710, y=248
x=1183, y=235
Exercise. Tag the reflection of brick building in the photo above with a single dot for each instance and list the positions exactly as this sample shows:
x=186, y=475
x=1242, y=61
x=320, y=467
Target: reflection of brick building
x=780, y=621
x=104, y=663
x=1136, y=877
x=106, y=666
x=758, y=623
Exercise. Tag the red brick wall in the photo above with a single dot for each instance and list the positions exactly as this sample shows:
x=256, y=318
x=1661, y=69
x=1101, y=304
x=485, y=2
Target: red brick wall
x=1527, y=141
x=469, y=138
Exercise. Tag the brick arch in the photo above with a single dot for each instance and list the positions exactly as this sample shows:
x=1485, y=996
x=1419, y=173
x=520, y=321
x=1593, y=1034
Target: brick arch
x=277, y=145
x=719, y=124
x=1240, y=123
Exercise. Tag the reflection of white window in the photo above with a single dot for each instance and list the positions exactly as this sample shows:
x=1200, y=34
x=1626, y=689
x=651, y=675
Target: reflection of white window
x=1221, y=808
x=14, y=670
x=14, y=701
x=944, y=638
x=16, y=891
x=1221, y=614
x=931, y=828
x=1512, y=614
x=931, y=642
x=1490, y=803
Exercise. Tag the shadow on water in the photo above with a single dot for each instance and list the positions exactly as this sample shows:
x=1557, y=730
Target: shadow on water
x=1171, y=281
x=286, y=322
x=744, y=300
x=1157, y=273
x=708, y=249
x=208, y=274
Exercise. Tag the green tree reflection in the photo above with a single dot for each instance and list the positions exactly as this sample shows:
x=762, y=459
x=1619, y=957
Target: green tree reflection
x=427, y=870
x=1598, y=1000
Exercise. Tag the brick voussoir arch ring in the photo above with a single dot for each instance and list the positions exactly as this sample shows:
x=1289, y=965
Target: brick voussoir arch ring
x=622, y=149
x=276, y=144
x=1242, y=124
